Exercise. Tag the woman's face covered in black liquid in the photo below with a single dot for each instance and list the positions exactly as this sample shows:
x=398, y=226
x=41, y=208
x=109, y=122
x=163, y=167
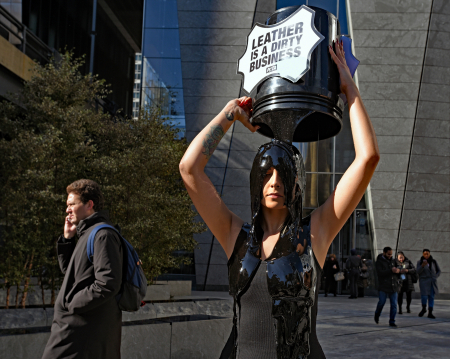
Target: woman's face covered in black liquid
x=273, y=190
x=287, y=163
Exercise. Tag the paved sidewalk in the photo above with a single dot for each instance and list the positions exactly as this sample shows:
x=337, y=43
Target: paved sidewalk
x=346, y=329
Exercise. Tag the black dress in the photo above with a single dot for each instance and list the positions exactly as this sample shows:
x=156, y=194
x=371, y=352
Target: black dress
x=275, y=301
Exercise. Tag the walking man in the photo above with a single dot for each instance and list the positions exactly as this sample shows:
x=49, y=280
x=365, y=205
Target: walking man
x=429, y=271
x=388, y=283
x=353, y=265
x=87, y=322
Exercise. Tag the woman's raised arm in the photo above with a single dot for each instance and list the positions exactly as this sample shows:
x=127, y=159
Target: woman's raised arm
x=223, y=223
x=329, y=218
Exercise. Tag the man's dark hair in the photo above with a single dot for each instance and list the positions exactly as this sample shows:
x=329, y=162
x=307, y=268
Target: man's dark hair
x=87, y=190
x=387, y=249
x=426, y=250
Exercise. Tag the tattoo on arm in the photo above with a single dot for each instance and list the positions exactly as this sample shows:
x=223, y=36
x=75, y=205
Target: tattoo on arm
x=229, y=116
x=212, y=139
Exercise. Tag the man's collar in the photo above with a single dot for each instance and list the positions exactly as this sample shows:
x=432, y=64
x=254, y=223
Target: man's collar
x=96, y=217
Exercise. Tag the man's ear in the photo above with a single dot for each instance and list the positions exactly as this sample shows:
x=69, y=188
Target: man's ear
x=90, y=204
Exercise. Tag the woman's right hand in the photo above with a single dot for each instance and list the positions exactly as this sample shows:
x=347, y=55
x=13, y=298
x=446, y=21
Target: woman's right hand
x=236, y=111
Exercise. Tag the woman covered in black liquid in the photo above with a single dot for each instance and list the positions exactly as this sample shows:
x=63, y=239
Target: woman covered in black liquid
x=275, y=262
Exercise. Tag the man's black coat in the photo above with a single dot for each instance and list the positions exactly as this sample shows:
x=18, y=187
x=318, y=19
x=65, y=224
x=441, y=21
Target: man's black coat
x=88, y=322
x=388, y=281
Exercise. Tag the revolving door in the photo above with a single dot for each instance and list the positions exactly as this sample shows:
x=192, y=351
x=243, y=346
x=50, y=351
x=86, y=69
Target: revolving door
x=356, y=234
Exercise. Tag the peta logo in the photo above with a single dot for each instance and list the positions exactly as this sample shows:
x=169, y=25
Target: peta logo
x=283, y=49
x=271, y=68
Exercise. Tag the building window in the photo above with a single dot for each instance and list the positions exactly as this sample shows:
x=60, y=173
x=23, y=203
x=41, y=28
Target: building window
x=162, y=83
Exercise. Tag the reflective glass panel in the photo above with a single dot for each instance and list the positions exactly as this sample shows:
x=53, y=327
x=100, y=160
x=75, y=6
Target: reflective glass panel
x=177, y=102
x=303, y=148
x=318, y=189
x=156, y=96
x=309, y=152
x=325, y=155
x=171, y=100
x=161, y=14
x=362, y=238
x=166, y=71
x=162, y=83
x=162, y=43
x=318, y=156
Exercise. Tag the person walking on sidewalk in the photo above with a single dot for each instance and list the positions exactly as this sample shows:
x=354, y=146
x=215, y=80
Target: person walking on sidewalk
x=429, y=271
x=330, y=268
x=387, y=284
x=362, y=281
x=87, y=322
x=353, y=265
x=404, y=263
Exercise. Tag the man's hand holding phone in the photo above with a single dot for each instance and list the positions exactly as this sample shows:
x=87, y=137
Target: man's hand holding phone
x=70, y=229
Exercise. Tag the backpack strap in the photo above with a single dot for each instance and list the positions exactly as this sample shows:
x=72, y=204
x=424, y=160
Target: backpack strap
x=90, y=242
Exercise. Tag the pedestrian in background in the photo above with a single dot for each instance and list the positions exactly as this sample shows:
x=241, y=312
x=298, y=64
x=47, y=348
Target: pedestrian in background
x=330, y=269
x=408, y=271
x=363, y=278
x=388, y=277
x=353, y=265
x=429, y=271
x=87, y=322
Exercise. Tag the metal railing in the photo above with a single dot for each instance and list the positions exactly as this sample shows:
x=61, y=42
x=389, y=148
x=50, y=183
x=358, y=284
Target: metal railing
x=21, y=37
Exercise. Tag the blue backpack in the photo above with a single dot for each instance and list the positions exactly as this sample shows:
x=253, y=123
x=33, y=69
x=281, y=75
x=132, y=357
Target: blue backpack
x=134, y=283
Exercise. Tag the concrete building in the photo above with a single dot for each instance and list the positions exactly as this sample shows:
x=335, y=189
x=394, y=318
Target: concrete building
x=404, y=79
x=108, y=32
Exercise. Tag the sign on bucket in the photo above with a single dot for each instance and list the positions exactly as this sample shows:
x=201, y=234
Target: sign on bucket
x=283, y=49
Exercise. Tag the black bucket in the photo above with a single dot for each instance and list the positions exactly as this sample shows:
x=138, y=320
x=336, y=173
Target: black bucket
x=310, y=109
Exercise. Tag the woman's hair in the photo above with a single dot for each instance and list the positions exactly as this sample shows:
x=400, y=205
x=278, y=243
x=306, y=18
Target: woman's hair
x=87, y=190
x=332, y=255
x=288, y=162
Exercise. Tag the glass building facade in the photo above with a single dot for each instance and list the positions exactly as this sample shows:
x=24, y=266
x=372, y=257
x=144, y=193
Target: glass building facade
x=137, y=85
x=325, y=163
x=67, y=25
x=162, y=83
